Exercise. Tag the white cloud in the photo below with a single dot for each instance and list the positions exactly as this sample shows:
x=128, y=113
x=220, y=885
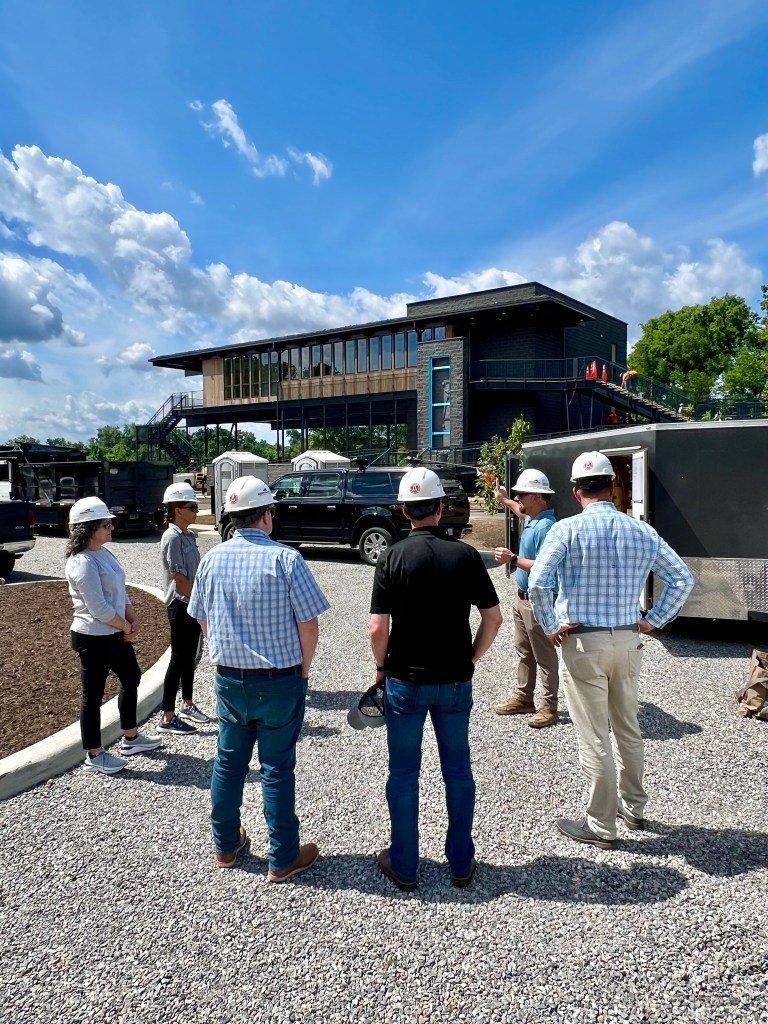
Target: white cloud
x=134, y=357
x=5, y=231
x=760, y=163
x=226, y=126
x=29, y=310
x=195, y=199
x=79, y=415
x=630, y=276
x=472, y=281
x=19, y=364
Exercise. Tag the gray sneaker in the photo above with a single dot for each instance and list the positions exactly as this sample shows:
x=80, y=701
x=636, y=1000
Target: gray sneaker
x=105, y=763
x=193, y=713
x=139, y=744
x=176, y=726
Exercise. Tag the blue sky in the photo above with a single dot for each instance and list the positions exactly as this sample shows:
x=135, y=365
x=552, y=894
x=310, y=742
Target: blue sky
x=182, y=174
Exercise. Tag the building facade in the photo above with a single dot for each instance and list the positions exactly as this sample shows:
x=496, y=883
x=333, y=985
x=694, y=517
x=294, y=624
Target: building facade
x=449, y=374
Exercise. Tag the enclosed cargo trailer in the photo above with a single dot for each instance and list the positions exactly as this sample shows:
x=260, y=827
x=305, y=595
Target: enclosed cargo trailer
x=702, y=486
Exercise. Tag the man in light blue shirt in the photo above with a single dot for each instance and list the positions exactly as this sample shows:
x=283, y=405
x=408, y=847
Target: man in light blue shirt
x=598, y=563
x=532, y=495
x=258, y=604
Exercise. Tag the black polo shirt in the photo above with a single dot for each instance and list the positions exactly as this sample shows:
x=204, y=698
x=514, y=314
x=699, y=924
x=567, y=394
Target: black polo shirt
x=427, y=584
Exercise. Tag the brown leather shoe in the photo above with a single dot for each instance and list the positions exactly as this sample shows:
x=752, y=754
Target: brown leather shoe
x=228, y=860
x=543, y=718
x=308, y=854
x=385, y=867
x=515, y=706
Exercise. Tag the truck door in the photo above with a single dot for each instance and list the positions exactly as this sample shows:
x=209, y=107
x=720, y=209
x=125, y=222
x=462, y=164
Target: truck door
x=320, y=510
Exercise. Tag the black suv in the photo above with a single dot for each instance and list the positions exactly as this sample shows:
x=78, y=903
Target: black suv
x=358, y=507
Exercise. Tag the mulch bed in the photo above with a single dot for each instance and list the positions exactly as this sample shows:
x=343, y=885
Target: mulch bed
x=40, y=674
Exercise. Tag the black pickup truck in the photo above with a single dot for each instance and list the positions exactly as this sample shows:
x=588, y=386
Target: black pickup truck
x=16, y=536
x=357, y=507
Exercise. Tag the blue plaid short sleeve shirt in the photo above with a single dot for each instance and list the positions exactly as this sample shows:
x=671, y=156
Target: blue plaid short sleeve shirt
x=252, y=592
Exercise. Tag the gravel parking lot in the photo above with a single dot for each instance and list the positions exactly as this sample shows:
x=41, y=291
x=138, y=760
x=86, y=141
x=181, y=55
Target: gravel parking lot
x=111, y=908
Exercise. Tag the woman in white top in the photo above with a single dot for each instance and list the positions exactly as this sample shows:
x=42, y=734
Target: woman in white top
x=103, y=630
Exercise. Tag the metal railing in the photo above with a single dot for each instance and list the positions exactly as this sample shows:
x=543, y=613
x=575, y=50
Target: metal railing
x=177, y=404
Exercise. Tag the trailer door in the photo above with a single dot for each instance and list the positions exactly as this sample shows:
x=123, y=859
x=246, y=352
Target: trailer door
x=639, y=508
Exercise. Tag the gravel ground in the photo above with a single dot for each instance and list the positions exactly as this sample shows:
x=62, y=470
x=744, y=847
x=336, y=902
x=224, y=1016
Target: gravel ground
x=111, y=909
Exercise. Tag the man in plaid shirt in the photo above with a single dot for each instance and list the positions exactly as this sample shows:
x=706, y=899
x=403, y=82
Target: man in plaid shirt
x=597, y=563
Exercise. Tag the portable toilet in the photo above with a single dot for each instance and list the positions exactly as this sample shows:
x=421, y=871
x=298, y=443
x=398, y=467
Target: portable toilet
x=316, y=458
x=228, y=467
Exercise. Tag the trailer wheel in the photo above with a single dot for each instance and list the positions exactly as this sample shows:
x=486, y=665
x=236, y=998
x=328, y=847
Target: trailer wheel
x=373, y=543
x=7, y=563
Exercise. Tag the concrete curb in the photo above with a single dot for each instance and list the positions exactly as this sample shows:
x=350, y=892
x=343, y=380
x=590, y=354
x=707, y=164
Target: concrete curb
x=58, y=753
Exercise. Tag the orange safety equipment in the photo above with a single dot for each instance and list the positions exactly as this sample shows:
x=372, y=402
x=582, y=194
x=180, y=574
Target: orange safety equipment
x=605, y=372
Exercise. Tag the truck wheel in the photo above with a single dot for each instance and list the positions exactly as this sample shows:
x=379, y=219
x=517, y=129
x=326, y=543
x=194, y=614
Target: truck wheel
x=373, y=543
x=7, y=562
x=228, y=532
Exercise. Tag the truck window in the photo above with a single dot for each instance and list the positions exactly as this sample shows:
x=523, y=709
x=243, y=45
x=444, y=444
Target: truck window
x=372, y=485
x=323, y=485
x=288, y=486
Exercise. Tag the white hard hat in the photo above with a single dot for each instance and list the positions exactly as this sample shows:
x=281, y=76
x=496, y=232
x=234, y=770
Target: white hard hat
x=591, y=464
x=88, y=510
x=247, y=492
x=179, y=492
x=420, y=484
x=532, y=481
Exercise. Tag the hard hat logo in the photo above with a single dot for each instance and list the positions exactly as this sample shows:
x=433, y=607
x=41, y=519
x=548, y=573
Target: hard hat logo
x=420, y=484
x=587, y=464
x=415, y=488
x=234, y=499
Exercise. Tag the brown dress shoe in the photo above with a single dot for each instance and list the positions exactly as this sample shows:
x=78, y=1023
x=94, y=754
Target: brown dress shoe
x=308, y=854
x=228, y=860
x=543, y=718
x=515, y=706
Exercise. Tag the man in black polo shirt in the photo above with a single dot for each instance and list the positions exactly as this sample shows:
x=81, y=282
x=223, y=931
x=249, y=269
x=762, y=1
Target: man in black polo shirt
x=424, y=589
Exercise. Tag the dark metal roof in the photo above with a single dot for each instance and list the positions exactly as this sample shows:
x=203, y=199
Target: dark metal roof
x=456, y=307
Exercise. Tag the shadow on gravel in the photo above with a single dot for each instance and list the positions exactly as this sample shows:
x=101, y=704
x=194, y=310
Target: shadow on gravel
x=551, y=879
x=317, y=732
x=657, y=724
x=334, y=700
x=721, y=852
x=711, y=638
x=171, y=768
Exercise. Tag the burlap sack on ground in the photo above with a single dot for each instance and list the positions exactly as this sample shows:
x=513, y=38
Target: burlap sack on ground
x=753, y=698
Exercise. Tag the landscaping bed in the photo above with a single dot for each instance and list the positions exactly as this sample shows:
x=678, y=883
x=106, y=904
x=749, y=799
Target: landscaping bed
x=40, y=683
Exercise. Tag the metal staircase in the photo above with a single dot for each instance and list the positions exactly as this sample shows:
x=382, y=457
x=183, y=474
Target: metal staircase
x=162, y=433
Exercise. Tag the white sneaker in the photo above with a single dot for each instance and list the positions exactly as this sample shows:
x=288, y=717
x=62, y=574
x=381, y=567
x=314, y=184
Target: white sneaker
x=138, y=744
x=105, y=763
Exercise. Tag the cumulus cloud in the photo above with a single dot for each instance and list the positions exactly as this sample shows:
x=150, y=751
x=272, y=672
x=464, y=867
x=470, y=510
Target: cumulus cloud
x=226, y=126
x=472, y=281
x=760, y=163
x=82, y=413
x=19, y=364
x=29, y=310
x=134, y=357
x=632, y=277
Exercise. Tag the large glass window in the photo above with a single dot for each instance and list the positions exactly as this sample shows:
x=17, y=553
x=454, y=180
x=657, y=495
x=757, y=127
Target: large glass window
x=274, y=370
x=440, y=402
x=338, y=357
x=327, y=359
x=264, y=389
x=386, y=351
x=362, y=355
x=315, y=356
x=399, y=351
x=295, y=359
x=245, y=384
x=305, y=361
x=440, y=333
x=236, y=377
x=350, y=368
x=413, y=348
x=285, y=366
x=227, y=378
x=373, y=354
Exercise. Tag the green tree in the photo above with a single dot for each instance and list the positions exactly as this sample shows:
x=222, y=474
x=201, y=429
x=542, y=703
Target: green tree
x=23, y=439
x=747, y=376
x=694, y=346
x=61, y=442
x=492, y=460
x=113, y=443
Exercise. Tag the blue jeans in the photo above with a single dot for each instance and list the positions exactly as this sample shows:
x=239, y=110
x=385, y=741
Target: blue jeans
x=268, y=713
x=405, y=709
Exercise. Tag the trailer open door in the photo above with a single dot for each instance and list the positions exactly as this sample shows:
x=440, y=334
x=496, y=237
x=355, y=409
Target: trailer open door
x=631, y=494
x=639, y=504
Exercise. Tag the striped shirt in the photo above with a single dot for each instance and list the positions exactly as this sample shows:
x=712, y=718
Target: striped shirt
x=252, y=592
x=598, y=563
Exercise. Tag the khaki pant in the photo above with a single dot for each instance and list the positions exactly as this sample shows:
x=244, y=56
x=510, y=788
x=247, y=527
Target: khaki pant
x=534, y=651
x=600, y=675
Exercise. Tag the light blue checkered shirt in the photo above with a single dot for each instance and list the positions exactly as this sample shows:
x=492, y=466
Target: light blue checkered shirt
x=598, y=563
x=252, y=592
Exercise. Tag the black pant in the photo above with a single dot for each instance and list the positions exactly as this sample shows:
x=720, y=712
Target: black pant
x=98, y=655
x=185, y=634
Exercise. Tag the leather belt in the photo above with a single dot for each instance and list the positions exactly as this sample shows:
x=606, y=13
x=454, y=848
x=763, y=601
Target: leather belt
x=260, y=673
x=601, y=629
x=523, y=595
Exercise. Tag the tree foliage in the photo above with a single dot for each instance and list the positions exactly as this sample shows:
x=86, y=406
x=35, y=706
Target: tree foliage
x=696, y=345
x=117, y=444
x=492, y=460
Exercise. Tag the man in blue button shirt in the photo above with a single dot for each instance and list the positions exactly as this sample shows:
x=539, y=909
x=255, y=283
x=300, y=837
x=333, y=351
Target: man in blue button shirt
x=599, y=562
x=530, y=504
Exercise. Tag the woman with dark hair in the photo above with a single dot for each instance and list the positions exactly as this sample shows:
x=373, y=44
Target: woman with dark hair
x=103, y=631
x=180, y=558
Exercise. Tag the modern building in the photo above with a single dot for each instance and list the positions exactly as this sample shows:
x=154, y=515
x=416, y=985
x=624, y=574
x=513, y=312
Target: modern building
x=449, y=374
